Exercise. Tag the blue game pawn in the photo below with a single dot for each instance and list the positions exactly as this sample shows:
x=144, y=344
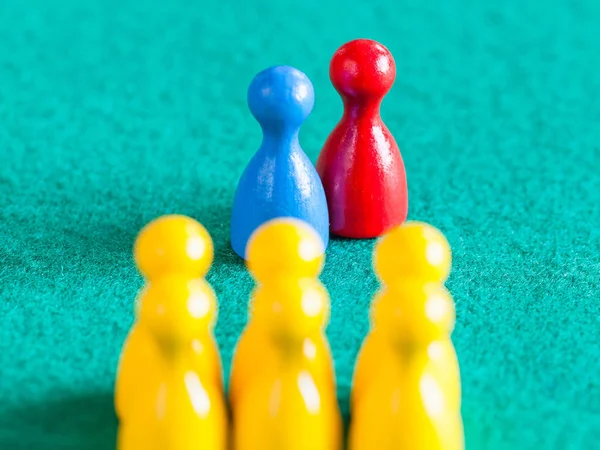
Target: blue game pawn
x=280, y=180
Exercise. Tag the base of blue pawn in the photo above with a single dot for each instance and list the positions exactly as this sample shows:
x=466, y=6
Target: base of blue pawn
x=274, y=186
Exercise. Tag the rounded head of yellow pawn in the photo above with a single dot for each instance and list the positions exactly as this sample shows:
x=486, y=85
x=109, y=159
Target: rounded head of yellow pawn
x=173, y=244
x=177, y=309
x=414, y=312
x=290, y=309
x=284, y=247
x=413, y=251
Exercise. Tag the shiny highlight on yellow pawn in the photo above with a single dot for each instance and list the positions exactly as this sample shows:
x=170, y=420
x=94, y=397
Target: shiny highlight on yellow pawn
x=406, y=386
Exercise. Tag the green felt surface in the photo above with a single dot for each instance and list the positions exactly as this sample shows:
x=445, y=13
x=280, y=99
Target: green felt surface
x=115, y=112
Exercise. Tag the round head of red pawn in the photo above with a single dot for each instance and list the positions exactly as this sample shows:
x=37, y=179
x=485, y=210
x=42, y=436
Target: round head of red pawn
x=362, y=69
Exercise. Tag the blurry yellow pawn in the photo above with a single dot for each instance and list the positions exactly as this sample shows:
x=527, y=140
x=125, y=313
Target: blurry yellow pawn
x=282, y=377
x=185, y=410
x=406, y=387
x=282, y=249
x=169, y=391
x=171, y=244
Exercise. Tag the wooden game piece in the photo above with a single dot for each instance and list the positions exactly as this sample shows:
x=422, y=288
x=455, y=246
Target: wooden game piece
x=288, y=406
x=138, y=366
x=169, y=244
x=414, y=251
x=280, y=180
x=173, y=244
x=185, y=410
x=254, y=349
x=406, y=387
x=360, y=164
x=285, y=247
x=281, y=249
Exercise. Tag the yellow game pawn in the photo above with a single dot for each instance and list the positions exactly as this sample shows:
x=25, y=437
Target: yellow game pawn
x=169, y=244
x=281, y=249
x=406, y=390
x=285, y=406
x=414, y=252
x=185, y=410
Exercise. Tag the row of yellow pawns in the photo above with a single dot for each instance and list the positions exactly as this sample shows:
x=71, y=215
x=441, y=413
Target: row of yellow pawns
x=282, y=395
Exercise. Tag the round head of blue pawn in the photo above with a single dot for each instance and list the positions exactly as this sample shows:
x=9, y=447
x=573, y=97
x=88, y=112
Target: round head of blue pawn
x=281, y=97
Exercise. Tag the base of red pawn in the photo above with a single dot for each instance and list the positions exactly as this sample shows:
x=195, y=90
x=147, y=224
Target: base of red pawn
x=361, y=230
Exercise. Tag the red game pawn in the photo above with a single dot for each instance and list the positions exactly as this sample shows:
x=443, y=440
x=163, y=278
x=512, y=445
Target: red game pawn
x=360, y=165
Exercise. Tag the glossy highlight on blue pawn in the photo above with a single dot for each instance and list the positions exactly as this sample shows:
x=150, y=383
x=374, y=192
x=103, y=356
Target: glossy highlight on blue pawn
x=280, y=180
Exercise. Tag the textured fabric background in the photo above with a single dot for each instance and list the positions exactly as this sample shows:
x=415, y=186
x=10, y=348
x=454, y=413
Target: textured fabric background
x=115, y=112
